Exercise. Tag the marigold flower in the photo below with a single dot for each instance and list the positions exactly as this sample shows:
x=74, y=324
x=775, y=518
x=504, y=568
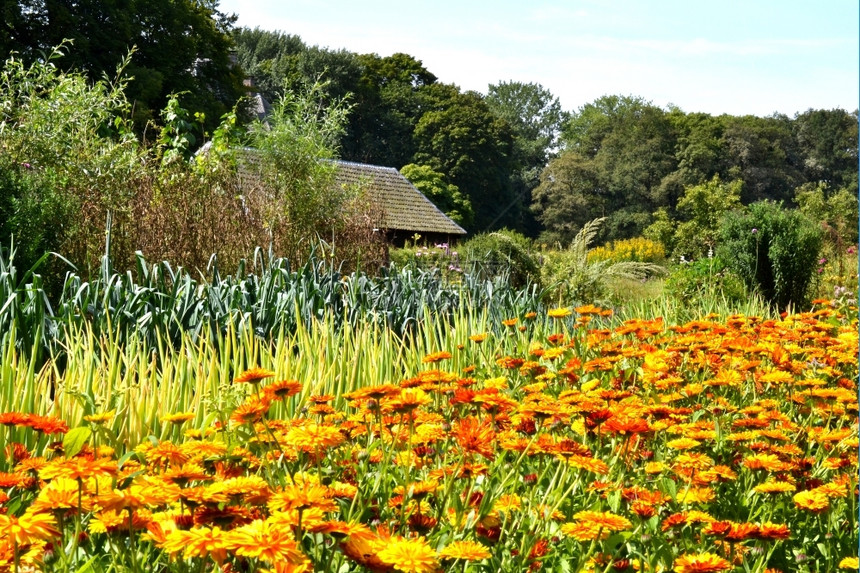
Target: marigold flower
x=850, y=563
x=559, y=312
x=314, y=437
x=436, y=357
x=260, y=540
x=701, y=563
x=774, y=487
x=475, y=436
x=253, y=376
x=197, y=542
x=465, y=550
x=811, y=500
x=178, y=418
x=606, y=520
x=409, y=555
x=102, y=418
x=29, y=528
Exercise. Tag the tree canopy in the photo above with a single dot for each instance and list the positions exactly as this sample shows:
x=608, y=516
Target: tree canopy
x=178, y=47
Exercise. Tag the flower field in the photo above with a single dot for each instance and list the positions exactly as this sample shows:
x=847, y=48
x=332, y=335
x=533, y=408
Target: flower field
x=573, y=441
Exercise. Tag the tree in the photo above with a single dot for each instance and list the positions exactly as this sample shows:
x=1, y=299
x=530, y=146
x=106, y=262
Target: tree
x=267, y=57
x=702, y=207
x=568, y=196
x=459, y=136
x=295, y=142
x=763, y=153
x=444, y=195
x=535, y=118
x=388, y=105
x=828, y=144
x=180, y=47
x=627, y=145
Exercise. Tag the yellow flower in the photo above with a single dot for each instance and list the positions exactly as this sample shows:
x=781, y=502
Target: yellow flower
x=559, y=312
x=409, y=555
x=465, y=550
x=811, y=500
x=178, y=418
x=102, y=418
x=701, y=563
x=850, y=563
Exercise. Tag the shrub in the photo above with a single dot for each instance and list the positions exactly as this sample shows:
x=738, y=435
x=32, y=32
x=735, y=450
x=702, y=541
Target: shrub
x=639, y=249
x=690, y=283
x=774, y=250
x=499, y=253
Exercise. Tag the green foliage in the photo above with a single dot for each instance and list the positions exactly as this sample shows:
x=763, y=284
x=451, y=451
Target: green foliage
x=157, y=304
x=689, y=283
x=446, y=196
x=501, y=253
x=774, y=250
x=293, y=144
x=570, y=276
x=182, y=46
x=835, y=210
x=701, y=208
x=459, y=136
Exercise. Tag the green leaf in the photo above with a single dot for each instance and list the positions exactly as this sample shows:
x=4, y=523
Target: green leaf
x=75, y=440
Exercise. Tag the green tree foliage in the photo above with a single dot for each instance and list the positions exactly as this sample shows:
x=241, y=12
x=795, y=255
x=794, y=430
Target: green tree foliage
x=773, y=249
x=388, y=105
x=535, y=117
x=459, y=136
x=68, y=157
x=294, y=143
x=180, y=47
x=569, y=195
x=836, y=211
x=763, y=153
x=828, y=144
x=628, y=146
x=444, y=195
x=701, y=208
x=268, y=58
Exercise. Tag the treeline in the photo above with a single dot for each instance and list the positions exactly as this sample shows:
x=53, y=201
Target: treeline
x=509, y=158
x=523, y=162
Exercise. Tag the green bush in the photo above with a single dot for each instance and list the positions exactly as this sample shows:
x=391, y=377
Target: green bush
x=501, y=253
x=691, y=282
x=774, y=250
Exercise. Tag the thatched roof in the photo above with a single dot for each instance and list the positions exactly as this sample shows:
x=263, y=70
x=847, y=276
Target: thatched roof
x=403, y=206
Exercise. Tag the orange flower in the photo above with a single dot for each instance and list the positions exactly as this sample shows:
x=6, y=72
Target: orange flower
x=314, y=437
x=605, y=520
x=436, y=357
x=475, y=436
x=197, y=542
x=282, y=389
x=253, y=375
x=260, y=540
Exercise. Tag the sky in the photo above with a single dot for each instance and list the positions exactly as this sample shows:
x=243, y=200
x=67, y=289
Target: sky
x=755, y=57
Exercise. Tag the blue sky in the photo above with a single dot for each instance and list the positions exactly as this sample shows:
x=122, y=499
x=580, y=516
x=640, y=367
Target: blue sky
x=738, y=57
